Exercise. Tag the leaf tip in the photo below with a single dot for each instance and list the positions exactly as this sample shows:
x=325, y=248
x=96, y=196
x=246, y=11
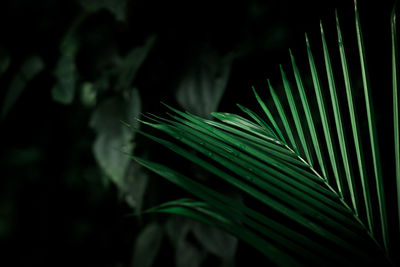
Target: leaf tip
x=307, y=40
x=393, y=14
x=282, y=70
x=321, y=27
x=336, y=16
x=291, y=55
x=255, y=92
x=355, y=6
x=271, y=89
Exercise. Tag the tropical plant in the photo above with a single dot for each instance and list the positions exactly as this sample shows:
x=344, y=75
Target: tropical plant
x=314, y=193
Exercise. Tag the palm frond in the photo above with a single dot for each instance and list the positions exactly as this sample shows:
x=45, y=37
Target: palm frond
x=338, y=121
x=324, y=118
x=296, y=116
x=297, y=214
x=309, y=118
x=372, y=130
x=355, y=129
x=283, y=117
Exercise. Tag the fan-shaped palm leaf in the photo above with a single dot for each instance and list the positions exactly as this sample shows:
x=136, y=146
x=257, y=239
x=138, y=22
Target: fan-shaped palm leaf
x=311, y=204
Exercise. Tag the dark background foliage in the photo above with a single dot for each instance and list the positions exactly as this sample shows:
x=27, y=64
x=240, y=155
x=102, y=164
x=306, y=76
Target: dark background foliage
x=71, y=70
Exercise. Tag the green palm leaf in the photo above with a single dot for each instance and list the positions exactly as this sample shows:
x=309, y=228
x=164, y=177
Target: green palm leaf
x=372, y=131
x=295, y=214
x=396, y=122
x=355, y=128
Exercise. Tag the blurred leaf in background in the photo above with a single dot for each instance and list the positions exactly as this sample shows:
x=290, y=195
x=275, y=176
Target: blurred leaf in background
x=203, y=85
x=187, y=254
x=112, y=136
x=135, y=185
x=131, y=64
x=147, y=245
x=88, y=95
x=66, y=73
x=216, y=242
x=194, y=242
x=31, y=67
x=116, y=7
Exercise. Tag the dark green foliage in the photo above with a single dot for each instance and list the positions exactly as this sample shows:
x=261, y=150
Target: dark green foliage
x=294, y=214
x=74, y=73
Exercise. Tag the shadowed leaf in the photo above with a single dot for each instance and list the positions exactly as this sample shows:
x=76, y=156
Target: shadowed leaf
x=203, y=86
x=29, y=69
x=147, y=245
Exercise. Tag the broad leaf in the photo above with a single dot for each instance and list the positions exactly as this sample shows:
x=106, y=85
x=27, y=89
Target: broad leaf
x=147, y=245
x=114, y=137
x=135, y=184
x=186, y=253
